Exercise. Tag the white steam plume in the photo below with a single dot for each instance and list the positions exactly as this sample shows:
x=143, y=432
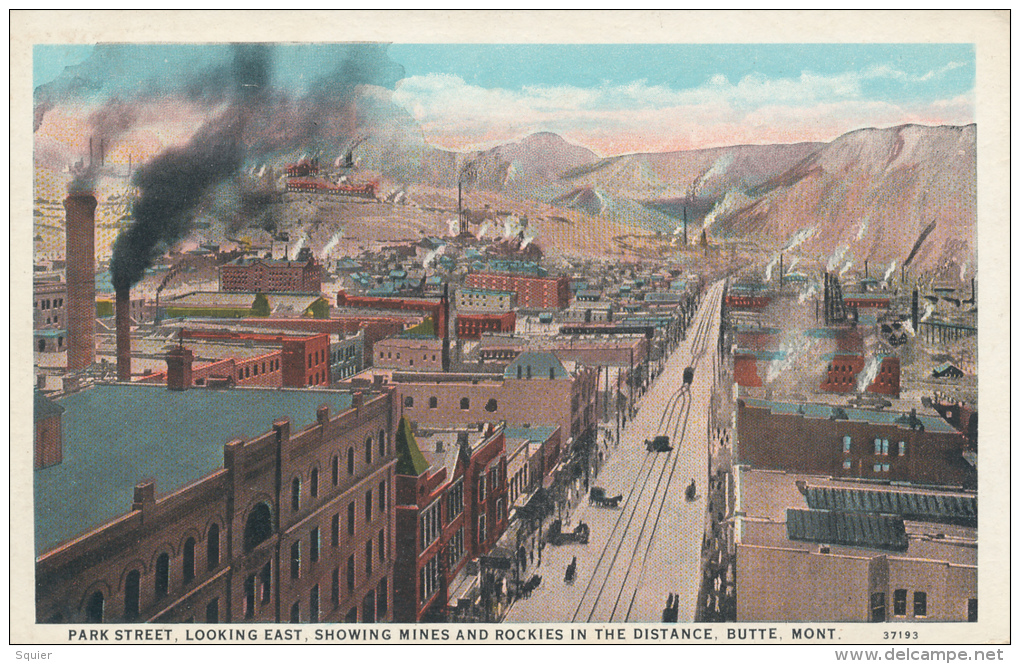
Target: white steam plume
x=929, y=309
x=300, y=244
x=453, y=226
x=733, y=201
x=332, y=243
x=889, y=271
x=868, y=373
x=483, y=229
x=807, y=293
x=511, y=227
x=800, y=237
x=796, y=259
x=529, y=236
x=861, y=230
x=717, y=169
x=845, y=268
x=963, y=270
x=836, y=258
x=433, y=255
x=768, y=268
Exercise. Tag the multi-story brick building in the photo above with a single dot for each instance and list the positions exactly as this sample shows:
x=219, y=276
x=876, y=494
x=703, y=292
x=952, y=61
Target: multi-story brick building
x=271, y=276
x=532, y=292
x=290, y=524
x=472, y=326
x=536, y=388
x=852, y=442
x=451, y=507
x=481, y=299
x=410, y=352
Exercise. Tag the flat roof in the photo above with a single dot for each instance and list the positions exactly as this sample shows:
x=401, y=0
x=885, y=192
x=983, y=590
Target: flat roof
x=887, y=417
x=118, y=435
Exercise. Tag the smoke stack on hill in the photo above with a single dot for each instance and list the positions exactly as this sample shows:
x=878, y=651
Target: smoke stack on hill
x=81, y=280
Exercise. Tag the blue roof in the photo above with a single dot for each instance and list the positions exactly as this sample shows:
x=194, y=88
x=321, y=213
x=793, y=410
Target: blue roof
x=534, y=434
x=767, y=355
x=118, y=435
x=540, y=363
x=883, y=417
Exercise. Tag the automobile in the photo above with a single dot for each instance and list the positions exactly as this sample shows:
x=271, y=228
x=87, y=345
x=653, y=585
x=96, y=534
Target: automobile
x=688, y=375
x=658, y=444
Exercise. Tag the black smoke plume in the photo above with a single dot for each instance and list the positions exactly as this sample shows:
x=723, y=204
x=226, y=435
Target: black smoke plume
x=175, y=184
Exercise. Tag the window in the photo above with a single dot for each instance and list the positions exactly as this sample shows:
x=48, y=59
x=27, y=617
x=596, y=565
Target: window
x=455, y=500
x=266, y=581
x=877, y=607
x=481, y=487
x=920, y=604
x=295, y=612
x=315, y=483
x=465, y=403
x=313, y=545
x=877, y=468
x=350, y=574
x=382, y=496
x=368, y=505
x=408, y=402
x=188, y=566
x=519, y=372
x=212, y=611
x=878, y=446
x=350, y=519
x=552, y=373
x=885, y=468
x=433, y=402
x=258, y=527
x=481, y=529
x=429, y=524
x=368, y=450
x=334, y=590
x=295, y=494
x=429, y=578
x=382, y=442
x=335, y=468
x=334, y=528
x=903, y=448
x=490, y=406
x=382, y=545
x=350, y=460
x=212, y=555
x=295, y=560
x=132, y=590
x=899, y=602
x=368, y=558
x=846, y=444
x=162, y=575
x=313, y=604
x=382, y=592
x=456, y=548
x=94, y=608
x=846, y=464
x=500, y=509
x=885, y=447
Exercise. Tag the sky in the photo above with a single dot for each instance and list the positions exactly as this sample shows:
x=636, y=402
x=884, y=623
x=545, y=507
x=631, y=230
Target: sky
x=654, y=97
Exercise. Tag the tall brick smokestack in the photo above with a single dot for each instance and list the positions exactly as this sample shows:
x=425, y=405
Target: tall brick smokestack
x=123, y=313
x=80, y=253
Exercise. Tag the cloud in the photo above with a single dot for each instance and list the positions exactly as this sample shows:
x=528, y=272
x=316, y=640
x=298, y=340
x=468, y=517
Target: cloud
x=642, y=116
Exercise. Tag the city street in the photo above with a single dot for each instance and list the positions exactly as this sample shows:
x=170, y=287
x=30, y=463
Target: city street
x=650, y=546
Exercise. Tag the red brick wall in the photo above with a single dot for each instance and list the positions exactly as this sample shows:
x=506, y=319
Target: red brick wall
x=49, y=445
x=745, y=371
x=532, y=292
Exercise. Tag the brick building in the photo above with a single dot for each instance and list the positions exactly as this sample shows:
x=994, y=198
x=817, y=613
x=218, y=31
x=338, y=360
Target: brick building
x=852, y=442
x=271, y=276
x=534, y=389
x=409, y=352
x=451, y=507
x=290, y=520
x=49, y=440
x=843, y=374
x=813, y=548
x=438, y=310
x=481, y=299
x=472, y=326
x=532, y=292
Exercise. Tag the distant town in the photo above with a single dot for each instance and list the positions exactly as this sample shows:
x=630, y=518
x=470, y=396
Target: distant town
x=461, y=428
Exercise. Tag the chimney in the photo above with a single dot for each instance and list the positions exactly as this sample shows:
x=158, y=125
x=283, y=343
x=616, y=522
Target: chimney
x=865, y=269
x=913, y=312
x=81, y=280
x=122, y=310
x=145, y=495
x=178, y=368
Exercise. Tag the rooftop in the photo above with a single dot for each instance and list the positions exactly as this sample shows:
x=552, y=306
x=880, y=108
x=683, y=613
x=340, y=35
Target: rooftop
x=931, y=423
x=540, y=365
x=118, y=435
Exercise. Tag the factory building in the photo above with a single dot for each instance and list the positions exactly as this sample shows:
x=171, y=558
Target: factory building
x=271, y=276
x=532, y=292
x=277, y=509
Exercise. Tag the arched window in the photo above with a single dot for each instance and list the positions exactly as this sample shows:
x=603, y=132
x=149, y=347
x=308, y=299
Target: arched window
x=315, y=483
x=465, y=403
x=382, y=442
x=188, y=566
x=132, y=588
x=350, y=460
x=258, y=528
x=335, y=466
x=490, y=405
x=94, y=608
x=295, y=494
x=433, y=402
x=368, y=450
x=162, y=575
x=212, y=555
